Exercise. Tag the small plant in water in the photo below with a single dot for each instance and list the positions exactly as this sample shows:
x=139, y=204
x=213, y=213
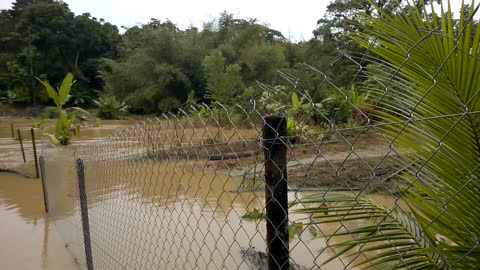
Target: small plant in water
x=254, y=214
x=97, y=122
x=297, y=228
x=9, y=98
x=109, y=107
x=38, y=123
x=151, y=152
x=69, y=120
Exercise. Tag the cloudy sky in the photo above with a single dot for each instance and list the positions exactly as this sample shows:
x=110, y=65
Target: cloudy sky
x=295, y=19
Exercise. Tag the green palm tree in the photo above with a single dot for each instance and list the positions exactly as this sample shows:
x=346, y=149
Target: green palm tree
x=436, y=60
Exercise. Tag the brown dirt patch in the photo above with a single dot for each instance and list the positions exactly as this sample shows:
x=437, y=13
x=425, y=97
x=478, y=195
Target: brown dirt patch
x=369, y=174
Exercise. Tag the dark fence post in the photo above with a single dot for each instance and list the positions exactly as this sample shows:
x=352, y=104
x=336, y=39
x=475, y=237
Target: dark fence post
x=21, y=145
x=276, y=191
x=34, y=144
x=84, y=209
x=13, y=133
x=44, y=183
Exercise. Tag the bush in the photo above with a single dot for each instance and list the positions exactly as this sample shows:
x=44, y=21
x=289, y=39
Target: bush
x=50, y=112
x=109, y=107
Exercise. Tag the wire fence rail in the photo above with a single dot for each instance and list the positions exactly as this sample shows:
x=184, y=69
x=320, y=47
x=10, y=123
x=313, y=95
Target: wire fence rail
x=381, y=173
x=195, y=193
x=19, y=150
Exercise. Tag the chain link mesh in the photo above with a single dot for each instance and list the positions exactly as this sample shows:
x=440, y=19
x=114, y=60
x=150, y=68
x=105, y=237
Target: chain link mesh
x=11, y=154
x=187, y=190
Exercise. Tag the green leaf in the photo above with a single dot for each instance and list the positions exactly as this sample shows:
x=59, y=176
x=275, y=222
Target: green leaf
x=254, y=214
x=64, y=90
x=313, y=230
x=52, y=138
x=77, y=131
x=51, y=93
x=295, y=101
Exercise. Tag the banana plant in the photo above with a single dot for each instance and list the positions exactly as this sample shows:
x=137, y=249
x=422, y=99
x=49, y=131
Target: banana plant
x=301, y=111
x=304, y=106
x=67, y=124
x=9, y=98
x=109, y=107
x=436, y=60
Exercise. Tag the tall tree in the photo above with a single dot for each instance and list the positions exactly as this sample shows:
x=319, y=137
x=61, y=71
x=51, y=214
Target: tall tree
x=47, y=40
x=224, y=83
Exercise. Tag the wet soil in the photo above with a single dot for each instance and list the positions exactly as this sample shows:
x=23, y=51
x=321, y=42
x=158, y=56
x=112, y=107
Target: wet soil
x=370, y=175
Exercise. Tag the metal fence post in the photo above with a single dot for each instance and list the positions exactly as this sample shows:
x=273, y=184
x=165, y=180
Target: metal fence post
x=276, y=191
x=34, y=144
x=44, y=183
x=84, y=209
x=21, y=145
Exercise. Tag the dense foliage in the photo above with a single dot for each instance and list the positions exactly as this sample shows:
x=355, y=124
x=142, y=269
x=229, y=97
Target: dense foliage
x=45, y=39
x=153, y=67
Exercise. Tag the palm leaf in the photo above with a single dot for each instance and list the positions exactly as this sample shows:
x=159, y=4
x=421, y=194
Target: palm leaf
x=430, y=95
x=442, y=70
x=52, y=138
x=392, y=232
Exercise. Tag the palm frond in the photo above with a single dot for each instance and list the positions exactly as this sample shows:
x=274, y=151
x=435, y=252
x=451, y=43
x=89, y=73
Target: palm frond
x=441, y=65
x=387, y=234
x=430, y=95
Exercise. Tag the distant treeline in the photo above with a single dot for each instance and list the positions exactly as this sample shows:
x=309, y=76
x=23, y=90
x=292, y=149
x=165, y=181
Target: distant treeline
x=158, y=67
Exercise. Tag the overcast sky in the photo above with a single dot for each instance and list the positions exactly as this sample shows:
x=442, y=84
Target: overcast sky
x=295, y=19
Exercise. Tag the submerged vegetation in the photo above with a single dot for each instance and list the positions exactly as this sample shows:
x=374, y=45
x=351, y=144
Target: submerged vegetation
x=108, y=107
x=69, y=119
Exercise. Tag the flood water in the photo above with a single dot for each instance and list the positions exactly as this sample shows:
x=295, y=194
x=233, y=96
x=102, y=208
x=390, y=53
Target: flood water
x=166, y=214
x=170, y=216
x=28, y=239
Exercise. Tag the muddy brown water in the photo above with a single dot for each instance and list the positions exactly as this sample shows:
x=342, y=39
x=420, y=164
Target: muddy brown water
x=172, y=215
x=28, y=238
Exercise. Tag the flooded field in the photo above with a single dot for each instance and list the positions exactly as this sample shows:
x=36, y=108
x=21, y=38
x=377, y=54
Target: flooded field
x=168, y=213
x=28, y=238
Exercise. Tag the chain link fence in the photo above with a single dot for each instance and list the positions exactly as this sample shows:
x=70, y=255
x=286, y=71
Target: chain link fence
x=18, y=150
x=379, y=173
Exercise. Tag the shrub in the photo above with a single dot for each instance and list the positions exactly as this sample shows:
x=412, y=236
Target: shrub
x=109, y=107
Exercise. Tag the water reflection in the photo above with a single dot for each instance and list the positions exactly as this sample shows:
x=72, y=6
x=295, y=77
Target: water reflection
x=169, y=214
x=28, y=239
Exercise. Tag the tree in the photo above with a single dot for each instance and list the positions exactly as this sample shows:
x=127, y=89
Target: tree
x=223, y=82
x=44, y=38
x=440, y=80
x=150, y=75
